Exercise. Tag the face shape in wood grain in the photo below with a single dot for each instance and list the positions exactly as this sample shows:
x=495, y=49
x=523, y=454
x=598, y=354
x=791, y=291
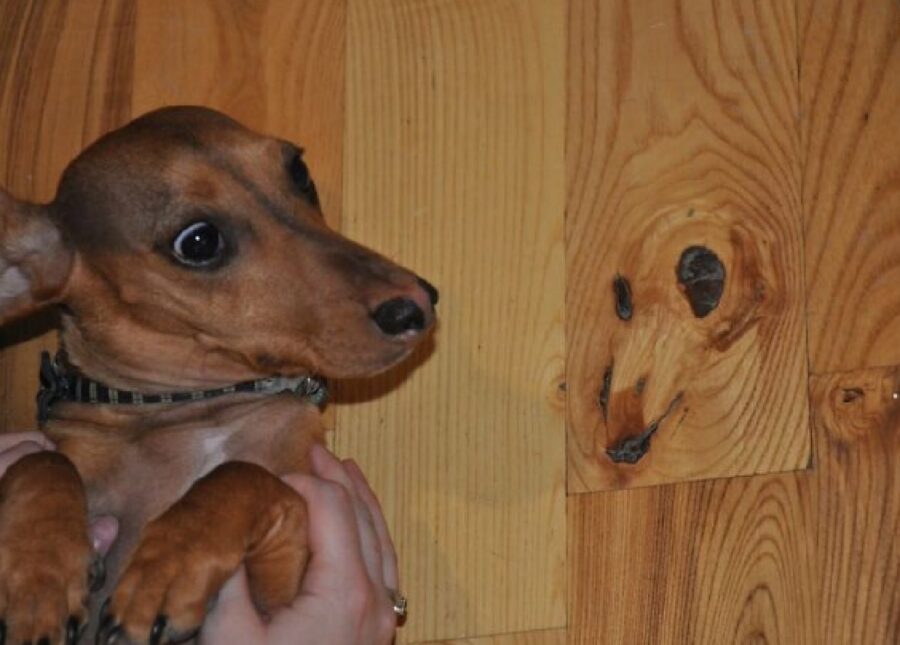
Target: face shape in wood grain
x=674, y=141
x=284, y=295
x=658, y=356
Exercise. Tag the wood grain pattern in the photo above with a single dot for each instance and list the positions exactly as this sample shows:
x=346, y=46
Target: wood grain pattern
x=682, y=131
x=857, y=505
x=850, y=93
x=727, y=561
x=543, y=637
x=455, y=167
x=804, y=558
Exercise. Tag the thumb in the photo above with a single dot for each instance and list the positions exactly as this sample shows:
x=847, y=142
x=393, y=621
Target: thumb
x=103, y=531
x=233, y=619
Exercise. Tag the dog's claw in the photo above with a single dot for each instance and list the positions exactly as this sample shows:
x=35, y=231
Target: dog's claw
x=158, y=629
x=96, y=574
x=44, y=640
x=72, y=631
x=108, y=631
x=109, y=635
x=104, y=616
x=113, y=635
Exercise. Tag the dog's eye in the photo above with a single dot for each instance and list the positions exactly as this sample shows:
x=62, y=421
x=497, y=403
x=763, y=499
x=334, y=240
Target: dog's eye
x=301, y=179
x=200, y=244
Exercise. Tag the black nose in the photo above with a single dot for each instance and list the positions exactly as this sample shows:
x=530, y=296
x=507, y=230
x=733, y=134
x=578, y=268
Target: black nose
x=399, y=315
x=430, y=289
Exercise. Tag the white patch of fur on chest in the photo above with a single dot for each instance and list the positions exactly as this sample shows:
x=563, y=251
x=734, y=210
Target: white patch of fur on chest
x=213, y=451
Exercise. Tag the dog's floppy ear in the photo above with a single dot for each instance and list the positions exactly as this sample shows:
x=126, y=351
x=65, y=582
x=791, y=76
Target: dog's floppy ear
x=35, y=261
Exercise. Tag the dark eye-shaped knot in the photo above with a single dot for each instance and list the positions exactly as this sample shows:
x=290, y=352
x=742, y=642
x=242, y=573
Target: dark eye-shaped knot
x=198, y=245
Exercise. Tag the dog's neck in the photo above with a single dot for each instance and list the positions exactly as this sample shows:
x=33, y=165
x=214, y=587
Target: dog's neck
x=60, y=382
x=133, y=358
x=84, y=374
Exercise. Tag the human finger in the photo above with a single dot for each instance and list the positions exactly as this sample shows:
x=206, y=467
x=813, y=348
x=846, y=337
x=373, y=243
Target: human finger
x=329, y=467
x=11, y=455
x=233, y=617
x=335, y=552
x=390, y=572
x=10, y=439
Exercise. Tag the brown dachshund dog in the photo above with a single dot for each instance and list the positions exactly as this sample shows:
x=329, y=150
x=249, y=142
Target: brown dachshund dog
x=200, y=293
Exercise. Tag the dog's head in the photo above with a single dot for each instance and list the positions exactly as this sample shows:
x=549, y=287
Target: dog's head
x=188, y=249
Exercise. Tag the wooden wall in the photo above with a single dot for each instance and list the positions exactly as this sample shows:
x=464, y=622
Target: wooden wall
x=521, y=154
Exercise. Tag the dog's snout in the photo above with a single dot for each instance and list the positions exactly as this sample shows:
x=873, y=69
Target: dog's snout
x=399, y=315
x=430, y=289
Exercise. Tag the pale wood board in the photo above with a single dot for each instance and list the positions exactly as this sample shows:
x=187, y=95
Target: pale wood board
x=454, y=167
x=850, y=102
x=681, y=131
x=543, y=637
x=856, y=489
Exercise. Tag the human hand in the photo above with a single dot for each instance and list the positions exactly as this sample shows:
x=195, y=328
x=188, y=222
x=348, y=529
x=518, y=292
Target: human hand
x=343, y=599
x=15, y=445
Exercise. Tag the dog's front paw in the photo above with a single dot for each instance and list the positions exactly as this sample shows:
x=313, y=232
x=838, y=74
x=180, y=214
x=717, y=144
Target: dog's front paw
x=238, y=513
x=46, y=558
x=163, y=593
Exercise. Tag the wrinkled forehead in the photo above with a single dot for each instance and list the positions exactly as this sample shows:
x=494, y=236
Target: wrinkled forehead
x=165, y=138
x=124, y=186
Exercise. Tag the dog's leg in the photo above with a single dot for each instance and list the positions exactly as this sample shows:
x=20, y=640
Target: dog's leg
x=238, y=513
x=45, y=550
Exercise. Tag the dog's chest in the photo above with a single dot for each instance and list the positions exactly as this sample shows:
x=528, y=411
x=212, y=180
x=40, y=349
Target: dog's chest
x=139, y=474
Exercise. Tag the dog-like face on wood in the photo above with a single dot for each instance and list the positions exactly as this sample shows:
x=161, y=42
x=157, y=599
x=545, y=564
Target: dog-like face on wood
x=188, y=232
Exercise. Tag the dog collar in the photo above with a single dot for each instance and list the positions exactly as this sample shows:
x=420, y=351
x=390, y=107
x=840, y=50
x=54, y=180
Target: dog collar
x=60, y=383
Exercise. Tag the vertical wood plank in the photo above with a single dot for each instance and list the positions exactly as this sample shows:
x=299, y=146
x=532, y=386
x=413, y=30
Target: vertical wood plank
x=455, y=168
x=850, y=89
x=857, y=511
x=682, y=132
